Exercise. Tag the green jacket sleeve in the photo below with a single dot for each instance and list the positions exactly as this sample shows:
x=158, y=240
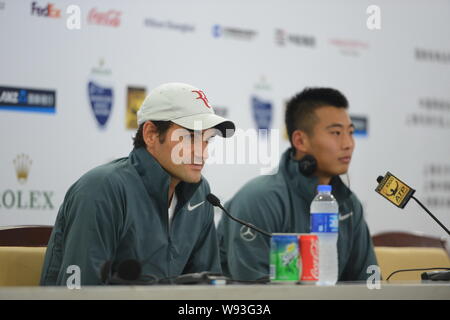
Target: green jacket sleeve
x=90, y=239
x=245, y=253
x=362, y=254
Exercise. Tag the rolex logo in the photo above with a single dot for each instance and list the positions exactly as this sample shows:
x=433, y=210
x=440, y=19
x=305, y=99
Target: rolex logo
x=21, y=198
x=22, y=163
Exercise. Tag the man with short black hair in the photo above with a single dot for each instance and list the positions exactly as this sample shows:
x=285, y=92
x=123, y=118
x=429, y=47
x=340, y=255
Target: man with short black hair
x=321, y=136
x=149, y=206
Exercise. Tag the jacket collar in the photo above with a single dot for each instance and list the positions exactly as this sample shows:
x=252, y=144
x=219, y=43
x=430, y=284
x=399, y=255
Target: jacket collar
x=307, y=186
x=156, y=179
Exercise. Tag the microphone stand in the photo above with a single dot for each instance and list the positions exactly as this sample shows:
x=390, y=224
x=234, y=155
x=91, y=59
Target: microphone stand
x=431, y=215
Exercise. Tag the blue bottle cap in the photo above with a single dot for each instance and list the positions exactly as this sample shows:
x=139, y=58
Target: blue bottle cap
x=324, y=188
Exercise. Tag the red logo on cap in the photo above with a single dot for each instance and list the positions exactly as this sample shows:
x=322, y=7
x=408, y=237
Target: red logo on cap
x=202, y=96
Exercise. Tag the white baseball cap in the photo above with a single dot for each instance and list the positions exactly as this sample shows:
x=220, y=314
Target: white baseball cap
x=184, y=105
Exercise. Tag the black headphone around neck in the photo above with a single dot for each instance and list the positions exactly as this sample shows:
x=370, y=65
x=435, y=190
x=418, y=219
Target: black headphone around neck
x=307, y=165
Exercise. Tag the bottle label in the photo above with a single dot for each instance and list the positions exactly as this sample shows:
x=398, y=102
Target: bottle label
x=324, y=222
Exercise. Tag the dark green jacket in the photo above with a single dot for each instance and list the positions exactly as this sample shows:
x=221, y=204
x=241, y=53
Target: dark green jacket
x=281, y=203
x=119, y=211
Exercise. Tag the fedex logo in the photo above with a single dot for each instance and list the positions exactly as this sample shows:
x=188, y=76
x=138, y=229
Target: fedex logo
x=49, y=11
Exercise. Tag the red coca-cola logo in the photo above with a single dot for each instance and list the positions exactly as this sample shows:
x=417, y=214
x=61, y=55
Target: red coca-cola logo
x=109, y=18
x=315, y=256
x=309, y=251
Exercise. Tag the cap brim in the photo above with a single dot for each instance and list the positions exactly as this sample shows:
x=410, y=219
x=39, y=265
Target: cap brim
x=207, y=121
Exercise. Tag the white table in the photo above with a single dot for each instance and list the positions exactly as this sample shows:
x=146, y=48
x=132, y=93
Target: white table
x=352, y=291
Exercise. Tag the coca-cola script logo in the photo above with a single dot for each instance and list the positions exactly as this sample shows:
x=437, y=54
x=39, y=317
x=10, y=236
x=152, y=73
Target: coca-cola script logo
x=315, y=256
x=110, y=18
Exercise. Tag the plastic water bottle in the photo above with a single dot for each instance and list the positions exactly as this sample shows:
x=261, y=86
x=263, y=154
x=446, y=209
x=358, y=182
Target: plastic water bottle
x=325, y=224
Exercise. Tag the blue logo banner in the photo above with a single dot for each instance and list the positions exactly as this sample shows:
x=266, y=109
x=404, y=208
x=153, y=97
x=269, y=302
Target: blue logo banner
x=27, y=100
x=101, y=100
x=262, y=112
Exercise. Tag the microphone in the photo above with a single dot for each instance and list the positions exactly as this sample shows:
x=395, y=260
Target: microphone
x=105, y=271
x=399, y=193
x=204, y=277
x=128, y=273
x=216, y=203
x=129, y=270
x=436, y=275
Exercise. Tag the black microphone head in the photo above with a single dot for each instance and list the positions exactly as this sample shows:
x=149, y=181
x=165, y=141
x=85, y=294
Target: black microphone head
x=129, y=270
x=379, y=179
x=105, y=271
x=213, y=200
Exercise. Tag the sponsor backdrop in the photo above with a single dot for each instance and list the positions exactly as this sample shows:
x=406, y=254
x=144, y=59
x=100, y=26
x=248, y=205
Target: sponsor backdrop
x=73, y=73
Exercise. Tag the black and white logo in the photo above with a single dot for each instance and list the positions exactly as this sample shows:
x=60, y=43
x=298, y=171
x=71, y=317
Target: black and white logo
x=247, y=234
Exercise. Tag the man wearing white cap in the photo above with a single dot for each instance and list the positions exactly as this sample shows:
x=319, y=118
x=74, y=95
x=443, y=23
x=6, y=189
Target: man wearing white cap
x=148, y=207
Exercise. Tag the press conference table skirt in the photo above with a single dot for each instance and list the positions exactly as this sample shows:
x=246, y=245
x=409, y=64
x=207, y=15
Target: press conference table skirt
x=353, y=291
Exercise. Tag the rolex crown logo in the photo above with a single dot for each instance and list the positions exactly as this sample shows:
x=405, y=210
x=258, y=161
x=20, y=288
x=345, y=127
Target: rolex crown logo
x=22, y=163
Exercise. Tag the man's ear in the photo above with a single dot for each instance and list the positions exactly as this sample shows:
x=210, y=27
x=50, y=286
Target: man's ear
x=300, y=141
x=150, y=134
